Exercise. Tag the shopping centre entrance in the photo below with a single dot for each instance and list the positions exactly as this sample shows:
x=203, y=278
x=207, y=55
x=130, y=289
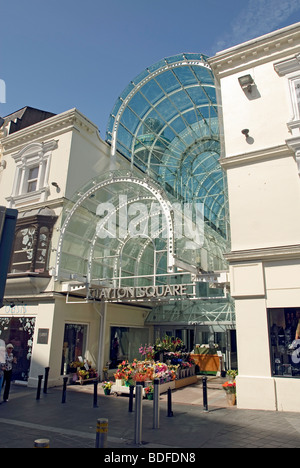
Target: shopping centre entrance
x=153, y=230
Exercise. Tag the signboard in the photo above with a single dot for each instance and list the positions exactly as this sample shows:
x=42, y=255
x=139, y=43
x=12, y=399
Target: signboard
x=43, y=336
x=141, y=293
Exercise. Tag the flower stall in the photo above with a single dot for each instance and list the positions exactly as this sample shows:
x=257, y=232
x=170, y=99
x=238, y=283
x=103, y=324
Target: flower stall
x=175, y=369
x=83, y=372
x=208, y=359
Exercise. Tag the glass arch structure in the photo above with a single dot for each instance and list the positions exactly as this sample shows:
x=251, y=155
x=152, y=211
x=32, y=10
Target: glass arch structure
x=165, y=125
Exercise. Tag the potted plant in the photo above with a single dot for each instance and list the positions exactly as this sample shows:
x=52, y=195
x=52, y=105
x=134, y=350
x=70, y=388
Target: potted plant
x=107, y=387
x=149, y=392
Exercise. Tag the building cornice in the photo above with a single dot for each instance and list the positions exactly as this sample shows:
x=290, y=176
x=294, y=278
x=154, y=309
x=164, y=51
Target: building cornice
x=270, y=47
x=289, y=252
x=61, y=123
x=255, y=156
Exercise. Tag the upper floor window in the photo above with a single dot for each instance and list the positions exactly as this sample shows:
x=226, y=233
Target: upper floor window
x=290, y=69
x=32, y=174
x=295, y=93
x=32, y=182
x=32, y=243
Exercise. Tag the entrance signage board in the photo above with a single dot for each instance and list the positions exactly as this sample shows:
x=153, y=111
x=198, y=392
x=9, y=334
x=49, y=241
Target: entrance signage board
x=140, y=293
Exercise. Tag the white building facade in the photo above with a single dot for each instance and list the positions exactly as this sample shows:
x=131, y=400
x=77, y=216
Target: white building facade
x=259, y=83
x=43, y=164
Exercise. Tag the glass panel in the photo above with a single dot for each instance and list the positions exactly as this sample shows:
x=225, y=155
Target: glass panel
x=285, y=342
x=23, y=250
x=125, y=344
x=139, y=105
x=74, y=346
x=152, y=91
x=32, y=179
x=19, y=331
x=185, y=75
x=42, y=250
x=168, y=81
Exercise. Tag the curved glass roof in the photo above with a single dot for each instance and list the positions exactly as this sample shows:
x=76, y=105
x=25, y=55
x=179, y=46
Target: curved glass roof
x=166, y=123
x=123, y=228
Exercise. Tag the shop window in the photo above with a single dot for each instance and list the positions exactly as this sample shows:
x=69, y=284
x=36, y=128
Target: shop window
x=19, y=331
x=285, y=342
x=32, y=244
x=125, y=344
x=74, y=345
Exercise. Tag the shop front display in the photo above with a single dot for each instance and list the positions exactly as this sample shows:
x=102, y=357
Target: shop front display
x=19, y=332
x=175, y=366
x=285, y=341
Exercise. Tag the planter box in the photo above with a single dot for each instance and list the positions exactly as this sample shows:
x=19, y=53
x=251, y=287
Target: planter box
x=120, y=389
x=207, y=362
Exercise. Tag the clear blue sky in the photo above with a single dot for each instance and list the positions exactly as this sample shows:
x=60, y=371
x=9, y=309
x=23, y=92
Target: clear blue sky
x=60, y=54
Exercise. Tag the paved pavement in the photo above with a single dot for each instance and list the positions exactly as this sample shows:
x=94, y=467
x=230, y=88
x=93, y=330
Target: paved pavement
x=73, y=424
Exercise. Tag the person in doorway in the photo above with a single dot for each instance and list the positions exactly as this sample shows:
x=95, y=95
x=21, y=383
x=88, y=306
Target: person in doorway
x=9, y=361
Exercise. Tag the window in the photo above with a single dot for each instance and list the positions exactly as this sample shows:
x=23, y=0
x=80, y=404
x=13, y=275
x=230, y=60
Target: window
x=19, y=331
x=125, y=344
x=32, y=179
x=74, y=345
x=295, y=93
x=32, y=174
x=285, y=342
x=32, y=243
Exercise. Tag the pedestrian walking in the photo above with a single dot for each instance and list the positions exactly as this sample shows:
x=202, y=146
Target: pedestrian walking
x=9, y=361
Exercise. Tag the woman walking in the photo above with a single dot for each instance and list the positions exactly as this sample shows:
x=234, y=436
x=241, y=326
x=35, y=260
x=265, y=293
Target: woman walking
x=9, y=360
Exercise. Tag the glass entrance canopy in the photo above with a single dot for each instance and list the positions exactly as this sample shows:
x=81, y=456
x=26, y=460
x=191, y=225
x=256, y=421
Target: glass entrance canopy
x=166, y=123
x=165, y=126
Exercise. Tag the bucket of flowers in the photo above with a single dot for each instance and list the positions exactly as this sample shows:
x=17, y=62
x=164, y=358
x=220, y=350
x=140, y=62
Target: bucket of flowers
x=230, y=387
x=107, y=387
x=149, y=392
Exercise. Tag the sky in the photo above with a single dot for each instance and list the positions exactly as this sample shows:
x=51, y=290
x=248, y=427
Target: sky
x=60, y=54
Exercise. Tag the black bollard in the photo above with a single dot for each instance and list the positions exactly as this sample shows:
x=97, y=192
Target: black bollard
x=205, y=402
x=131, y=390
x=38, y=393
x=170, y=412
x=138, y=428
x=95, y=403
x=47, y=369
x=156, y=395
x=64, y=393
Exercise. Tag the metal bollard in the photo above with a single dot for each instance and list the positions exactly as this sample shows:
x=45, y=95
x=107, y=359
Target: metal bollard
x=131, y=390
x=64, y=393
x=95, y=402
x=205, y=402
x=156, y=395
x=47, y=370
x=38, y=392
x=42, y=443
x=170, y=412
x=138, y=414
x=101, y=433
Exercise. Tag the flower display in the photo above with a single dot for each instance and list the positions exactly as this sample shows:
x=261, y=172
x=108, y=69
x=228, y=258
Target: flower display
x=107, y=385
x=229, y=387
x=147, y=351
